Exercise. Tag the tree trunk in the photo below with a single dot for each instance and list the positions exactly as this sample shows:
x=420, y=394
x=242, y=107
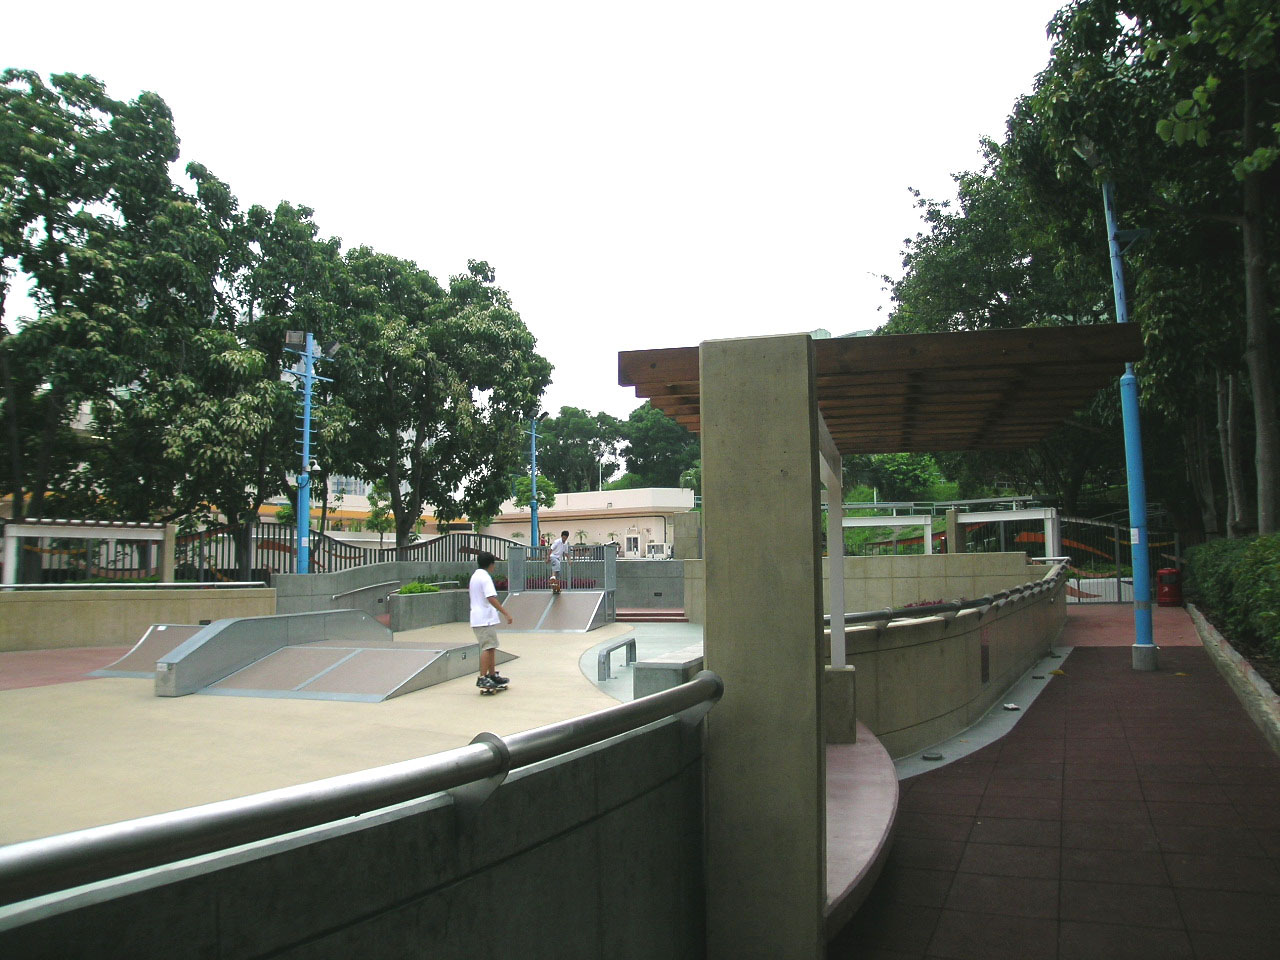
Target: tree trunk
x=1245, y=518
x=1195, y=442
x=1257, y=352
x=1224, y=447
x=13, y=439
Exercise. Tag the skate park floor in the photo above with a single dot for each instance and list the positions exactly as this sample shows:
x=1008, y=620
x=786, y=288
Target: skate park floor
x=80, y=752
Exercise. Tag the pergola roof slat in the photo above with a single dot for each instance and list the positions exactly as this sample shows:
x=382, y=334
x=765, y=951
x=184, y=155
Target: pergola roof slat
x=921, y=392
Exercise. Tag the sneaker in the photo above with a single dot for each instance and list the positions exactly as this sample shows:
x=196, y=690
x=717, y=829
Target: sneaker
x=499, y=679
x=486, y=683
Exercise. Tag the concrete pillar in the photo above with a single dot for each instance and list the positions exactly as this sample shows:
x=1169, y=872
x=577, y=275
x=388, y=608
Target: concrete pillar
x=11, y=542
x=955, y=538
x=1052, y=533
x=765, y=759
x=168, y=552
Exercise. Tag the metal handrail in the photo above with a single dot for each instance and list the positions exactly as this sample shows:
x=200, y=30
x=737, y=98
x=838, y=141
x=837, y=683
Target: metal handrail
x=37, y=867
x=133, y=584
x=602, y=661
x=372, y=586
x=954, y=606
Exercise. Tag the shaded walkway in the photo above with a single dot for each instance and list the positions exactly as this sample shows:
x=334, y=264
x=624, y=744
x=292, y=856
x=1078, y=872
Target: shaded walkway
x=1127, y=815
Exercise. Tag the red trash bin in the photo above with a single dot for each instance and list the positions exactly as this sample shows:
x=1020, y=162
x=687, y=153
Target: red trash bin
x=1168, y=587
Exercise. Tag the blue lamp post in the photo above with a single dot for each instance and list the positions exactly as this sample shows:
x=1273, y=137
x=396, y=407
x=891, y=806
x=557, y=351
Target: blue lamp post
x=307, y=377
x=533, y=479
x=1145, y=654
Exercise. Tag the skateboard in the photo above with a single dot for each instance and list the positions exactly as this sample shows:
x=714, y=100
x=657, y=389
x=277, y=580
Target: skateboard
x=487, y=691
x=555, y=584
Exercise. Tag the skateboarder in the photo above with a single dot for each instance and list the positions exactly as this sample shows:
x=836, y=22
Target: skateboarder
x=485, y=609
x=558, y=551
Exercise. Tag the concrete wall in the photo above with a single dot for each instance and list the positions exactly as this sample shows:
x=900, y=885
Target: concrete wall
x=310, y=592
x=688, y=536
x=46, y=619
x=415, y=610
x=596, y=854
x=650, y=584
x=920, y=681
x=873, y=583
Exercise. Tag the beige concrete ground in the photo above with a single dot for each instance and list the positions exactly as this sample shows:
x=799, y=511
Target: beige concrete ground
x=80, y=754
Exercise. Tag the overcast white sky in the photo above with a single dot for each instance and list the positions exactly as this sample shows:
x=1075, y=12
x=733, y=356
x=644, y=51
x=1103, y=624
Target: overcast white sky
x=639, y=175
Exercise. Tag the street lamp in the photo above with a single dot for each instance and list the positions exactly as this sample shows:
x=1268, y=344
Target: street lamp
x=307, y=377
x=533, y=478
x=1145, y=654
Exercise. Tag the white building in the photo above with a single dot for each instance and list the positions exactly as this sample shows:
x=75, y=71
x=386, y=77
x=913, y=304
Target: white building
x=640, y=521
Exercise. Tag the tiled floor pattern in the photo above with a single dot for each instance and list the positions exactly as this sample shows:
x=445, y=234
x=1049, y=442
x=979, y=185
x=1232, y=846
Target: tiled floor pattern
x=1128, y=815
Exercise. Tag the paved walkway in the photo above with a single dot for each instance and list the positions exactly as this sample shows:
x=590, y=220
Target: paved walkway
x=1127, y=815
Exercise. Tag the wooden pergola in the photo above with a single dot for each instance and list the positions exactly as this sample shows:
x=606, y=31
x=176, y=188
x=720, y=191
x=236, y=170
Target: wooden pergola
x=919, y=393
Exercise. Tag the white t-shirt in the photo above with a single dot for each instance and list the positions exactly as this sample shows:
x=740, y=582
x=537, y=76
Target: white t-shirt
x=559, y=549
x=483, y=613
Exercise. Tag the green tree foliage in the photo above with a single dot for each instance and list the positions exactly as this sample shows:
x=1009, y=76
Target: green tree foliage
x=573, y=448
x=657, y=449
x=380, y=519
x=547, y=491
x=1179, y=100
x=440, y=381
x=150, y=384
x=895, y=476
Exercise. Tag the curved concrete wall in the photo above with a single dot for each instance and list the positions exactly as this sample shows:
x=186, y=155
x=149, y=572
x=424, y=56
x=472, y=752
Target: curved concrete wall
x=921, y=681
x=596, y=854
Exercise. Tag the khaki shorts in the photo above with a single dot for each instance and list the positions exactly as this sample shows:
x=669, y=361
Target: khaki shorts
x=487, y=637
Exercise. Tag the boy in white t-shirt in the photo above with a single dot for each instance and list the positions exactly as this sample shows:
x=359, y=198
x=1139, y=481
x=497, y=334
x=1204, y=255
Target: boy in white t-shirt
x=484, y=619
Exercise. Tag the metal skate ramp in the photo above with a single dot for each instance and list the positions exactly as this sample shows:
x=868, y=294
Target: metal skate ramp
x=332, y=670
x=542, y=611
x=159, y=641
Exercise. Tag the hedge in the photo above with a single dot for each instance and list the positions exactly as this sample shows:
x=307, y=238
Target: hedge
x=1237, y=582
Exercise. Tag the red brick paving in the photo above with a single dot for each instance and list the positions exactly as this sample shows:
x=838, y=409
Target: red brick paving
x=40, y=668
x=1128, y=815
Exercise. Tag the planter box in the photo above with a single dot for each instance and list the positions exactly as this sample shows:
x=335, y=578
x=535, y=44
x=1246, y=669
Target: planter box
x=414, y=610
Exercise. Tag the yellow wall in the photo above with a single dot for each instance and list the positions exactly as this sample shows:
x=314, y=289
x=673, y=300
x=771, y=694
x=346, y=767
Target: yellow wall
x=46, y=619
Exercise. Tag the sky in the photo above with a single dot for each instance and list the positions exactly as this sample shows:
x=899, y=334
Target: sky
x=638, y=175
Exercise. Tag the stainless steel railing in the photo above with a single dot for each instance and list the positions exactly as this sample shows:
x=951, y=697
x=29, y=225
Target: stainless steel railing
x=1030, y=589
x=36, y=867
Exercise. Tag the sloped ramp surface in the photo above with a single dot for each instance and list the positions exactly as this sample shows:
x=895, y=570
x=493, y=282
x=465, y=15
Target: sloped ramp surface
x=570, y=611
x=332, y=671
x=159, y=641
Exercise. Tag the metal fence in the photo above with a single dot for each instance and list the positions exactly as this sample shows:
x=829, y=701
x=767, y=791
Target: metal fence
x=584, y=568
x=215, y=554
x=1102, y=559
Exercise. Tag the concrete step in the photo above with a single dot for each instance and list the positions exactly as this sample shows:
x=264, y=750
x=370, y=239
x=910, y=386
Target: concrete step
x=652, y=616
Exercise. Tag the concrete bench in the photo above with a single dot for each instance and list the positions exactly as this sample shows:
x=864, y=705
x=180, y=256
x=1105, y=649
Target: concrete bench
x=666, y=670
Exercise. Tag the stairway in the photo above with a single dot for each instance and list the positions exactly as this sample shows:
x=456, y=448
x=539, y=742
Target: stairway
x=651, y=616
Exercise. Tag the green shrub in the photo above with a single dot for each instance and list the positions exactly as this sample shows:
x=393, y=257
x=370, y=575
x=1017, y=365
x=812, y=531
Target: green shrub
x=1238, y=583
x=419, y=586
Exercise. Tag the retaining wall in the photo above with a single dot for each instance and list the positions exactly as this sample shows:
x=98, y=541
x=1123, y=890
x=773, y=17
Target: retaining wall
x=650, y=584
x=872, y=583
x=413, y=610
x=922, y=681
x=47, y=619
x=312, y=592
x=596, y=854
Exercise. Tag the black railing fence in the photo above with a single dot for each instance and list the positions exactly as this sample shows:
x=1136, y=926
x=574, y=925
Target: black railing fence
x=234, y=553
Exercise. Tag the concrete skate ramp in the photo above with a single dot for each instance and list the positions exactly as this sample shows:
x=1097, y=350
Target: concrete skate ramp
x=570, y=611
x=159, y=640
x=334, y=671
x=226, y=646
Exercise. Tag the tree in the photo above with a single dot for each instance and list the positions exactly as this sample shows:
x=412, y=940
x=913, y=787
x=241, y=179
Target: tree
x=657, y=449
x=79, y=173
x=380, y=519
x=573, y=447
x=1180, y=99
x=440, y=380
x=546, y=492
x=285, y=514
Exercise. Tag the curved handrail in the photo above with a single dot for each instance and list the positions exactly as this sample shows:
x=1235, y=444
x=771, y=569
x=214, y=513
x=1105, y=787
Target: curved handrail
x=37, y=867
x=887, y=614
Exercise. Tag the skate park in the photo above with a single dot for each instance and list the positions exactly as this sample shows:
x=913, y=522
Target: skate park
x=798, y=799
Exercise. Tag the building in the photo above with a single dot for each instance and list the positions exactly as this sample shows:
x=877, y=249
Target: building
x=640, y=521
